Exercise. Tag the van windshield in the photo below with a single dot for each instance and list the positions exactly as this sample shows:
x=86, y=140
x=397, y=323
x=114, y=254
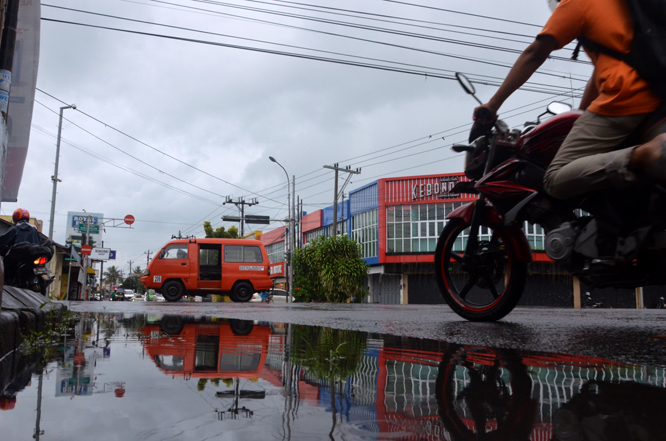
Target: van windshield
x=175, y=252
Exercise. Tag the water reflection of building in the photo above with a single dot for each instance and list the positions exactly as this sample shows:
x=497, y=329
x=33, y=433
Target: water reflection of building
x=394, y=386
x=394, y=389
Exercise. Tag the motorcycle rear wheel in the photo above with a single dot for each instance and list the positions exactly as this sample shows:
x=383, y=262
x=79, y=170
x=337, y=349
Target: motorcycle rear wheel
x=486, y=285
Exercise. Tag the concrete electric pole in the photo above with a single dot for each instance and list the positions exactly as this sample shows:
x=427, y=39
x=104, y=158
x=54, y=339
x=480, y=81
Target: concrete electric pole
x=336, y=195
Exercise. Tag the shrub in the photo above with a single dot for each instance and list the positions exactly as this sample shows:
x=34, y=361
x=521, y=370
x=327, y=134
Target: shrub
x=329, y=269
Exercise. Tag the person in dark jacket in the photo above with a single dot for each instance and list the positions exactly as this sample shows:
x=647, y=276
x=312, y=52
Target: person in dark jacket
x=22, y=231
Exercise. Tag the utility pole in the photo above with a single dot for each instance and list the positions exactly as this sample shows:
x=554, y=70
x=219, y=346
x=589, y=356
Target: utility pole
x=240, y=202
x=147, y=253
x=130, y=264
x=85, y=258
x=336, y=196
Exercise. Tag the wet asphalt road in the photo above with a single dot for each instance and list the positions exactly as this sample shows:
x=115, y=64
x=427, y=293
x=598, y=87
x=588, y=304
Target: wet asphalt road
x=626, y=335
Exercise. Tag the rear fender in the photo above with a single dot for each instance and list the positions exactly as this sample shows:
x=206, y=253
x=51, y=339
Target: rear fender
x=492, y=217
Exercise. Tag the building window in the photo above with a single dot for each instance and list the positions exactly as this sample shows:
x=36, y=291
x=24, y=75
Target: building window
x=364, y=231
x=312, y=235
x=416, y=228
x=275, y=252
x=342, y=229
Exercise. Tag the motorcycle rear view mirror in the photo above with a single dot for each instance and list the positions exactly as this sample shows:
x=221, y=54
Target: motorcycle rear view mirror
x=557, y=107
x=467, y=85
x=459, y=148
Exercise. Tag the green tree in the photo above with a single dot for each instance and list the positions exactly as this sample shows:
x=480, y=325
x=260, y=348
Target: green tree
x=112, y=274
x=231, y=233
x=329, y=269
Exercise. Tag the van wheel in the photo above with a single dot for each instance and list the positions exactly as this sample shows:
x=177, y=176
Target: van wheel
x=173, y=290
x=242, y=292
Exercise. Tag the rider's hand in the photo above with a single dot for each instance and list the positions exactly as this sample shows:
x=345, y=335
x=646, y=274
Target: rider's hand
x=485, y=114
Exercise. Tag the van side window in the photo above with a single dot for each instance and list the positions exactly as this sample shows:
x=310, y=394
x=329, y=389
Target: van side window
x=238, y=253
x=174, y=252
x=233, y=253
x=252, y=255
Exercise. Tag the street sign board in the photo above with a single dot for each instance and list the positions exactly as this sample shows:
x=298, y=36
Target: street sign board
x=112, y=255
x=100, y=253
x=94, y=229
x=86, y=249
x=253, y=219
x=231, y=218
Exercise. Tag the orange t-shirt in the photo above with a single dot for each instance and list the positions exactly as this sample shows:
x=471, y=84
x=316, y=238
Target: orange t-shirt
x=606, y=22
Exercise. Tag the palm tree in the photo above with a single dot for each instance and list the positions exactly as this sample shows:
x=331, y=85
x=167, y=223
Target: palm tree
x=112, y=274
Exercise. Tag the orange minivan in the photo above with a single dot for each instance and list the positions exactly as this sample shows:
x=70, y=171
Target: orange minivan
x=235, y=267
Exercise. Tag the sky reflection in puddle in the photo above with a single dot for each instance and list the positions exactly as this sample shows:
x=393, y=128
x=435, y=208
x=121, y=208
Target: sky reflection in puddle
x=155, y=378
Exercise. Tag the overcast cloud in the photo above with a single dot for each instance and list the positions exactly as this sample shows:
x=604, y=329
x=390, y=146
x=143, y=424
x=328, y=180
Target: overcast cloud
x=222, y=111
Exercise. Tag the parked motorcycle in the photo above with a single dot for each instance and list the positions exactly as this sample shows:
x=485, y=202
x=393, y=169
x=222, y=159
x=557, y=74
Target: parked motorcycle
x=482, y=254
x=25, y=266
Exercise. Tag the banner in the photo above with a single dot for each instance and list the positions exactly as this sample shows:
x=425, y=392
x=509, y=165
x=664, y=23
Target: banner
x=22, y=96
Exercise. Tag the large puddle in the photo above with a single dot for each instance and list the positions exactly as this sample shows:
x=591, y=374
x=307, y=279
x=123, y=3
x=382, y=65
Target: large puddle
x=138, y=377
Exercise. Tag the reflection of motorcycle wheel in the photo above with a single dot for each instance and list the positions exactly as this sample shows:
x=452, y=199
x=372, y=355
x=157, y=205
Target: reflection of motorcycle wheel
x=485, y=400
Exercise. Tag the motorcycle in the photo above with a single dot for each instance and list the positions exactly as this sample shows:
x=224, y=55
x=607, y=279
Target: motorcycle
x=25, y=266
x=482, y=254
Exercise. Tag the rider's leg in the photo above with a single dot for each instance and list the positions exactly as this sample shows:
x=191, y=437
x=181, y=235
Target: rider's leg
x=650, y=158
x=588, y=159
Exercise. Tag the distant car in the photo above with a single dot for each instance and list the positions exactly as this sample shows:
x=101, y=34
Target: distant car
x=129, y=294
x=278, y=296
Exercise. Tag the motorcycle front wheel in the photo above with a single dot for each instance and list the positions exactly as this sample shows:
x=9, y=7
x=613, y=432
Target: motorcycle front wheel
x=483, y=284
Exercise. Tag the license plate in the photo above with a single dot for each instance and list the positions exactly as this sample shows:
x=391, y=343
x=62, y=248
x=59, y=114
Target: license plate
x=157, y=279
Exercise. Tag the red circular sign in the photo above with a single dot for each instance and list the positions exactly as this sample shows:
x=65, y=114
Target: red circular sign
x=129, y=219
x=86, y=249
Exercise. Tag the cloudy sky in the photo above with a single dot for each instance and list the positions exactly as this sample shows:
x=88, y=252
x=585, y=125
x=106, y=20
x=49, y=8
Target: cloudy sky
x=181, y=102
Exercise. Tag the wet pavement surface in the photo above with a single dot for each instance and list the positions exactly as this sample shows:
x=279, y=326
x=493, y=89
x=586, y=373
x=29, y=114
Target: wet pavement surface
x=225, y=372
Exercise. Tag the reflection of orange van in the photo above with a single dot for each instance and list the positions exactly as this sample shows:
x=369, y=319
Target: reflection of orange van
x=208, y=350
x=237, y=267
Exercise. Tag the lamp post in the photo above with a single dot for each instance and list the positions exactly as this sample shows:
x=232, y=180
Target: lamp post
x=54, y=178
x=290, y=268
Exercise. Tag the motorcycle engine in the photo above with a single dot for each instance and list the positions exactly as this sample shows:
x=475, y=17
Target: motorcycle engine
x=560, y=242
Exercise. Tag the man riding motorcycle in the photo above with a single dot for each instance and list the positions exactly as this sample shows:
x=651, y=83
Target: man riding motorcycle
x=616, y=100
x=20, y=246
x=22, y=231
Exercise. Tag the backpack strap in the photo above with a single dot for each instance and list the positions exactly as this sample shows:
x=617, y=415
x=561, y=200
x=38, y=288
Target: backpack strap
x=596, y=47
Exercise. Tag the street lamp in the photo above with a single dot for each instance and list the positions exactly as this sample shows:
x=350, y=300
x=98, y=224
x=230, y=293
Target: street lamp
x=290, y=272
x=54, y=178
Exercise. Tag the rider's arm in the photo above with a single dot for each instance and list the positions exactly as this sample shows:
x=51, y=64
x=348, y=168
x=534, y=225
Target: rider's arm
x=591, y=92
x=526, y=64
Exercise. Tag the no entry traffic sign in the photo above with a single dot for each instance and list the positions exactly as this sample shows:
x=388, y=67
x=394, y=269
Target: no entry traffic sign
x=129, y=219
x=86, y=249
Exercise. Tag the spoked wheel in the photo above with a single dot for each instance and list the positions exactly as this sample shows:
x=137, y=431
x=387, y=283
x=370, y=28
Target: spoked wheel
x=483, y=284
x=485, y=394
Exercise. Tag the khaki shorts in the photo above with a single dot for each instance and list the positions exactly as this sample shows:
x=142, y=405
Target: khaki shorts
x=589, y=160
